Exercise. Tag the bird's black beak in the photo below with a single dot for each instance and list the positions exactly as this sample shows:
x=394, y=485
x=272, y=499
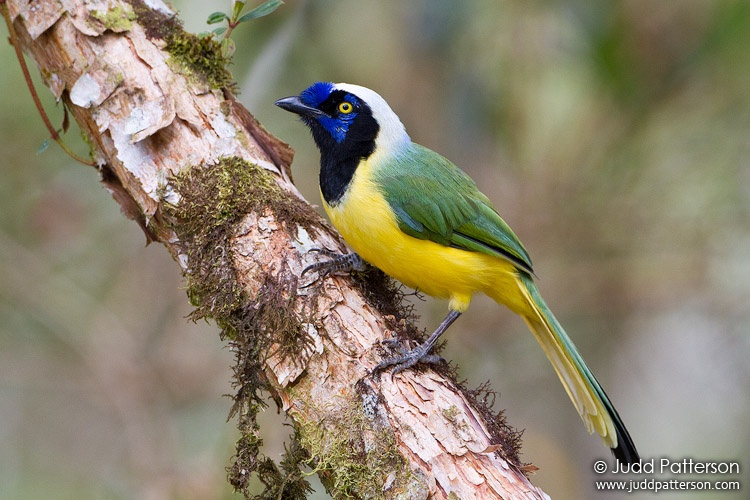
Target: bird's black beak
x=295, y=105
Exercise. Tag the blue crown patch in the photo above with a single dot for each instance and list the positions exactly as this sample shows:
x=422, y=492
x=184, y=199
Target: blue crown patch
x=316, y=93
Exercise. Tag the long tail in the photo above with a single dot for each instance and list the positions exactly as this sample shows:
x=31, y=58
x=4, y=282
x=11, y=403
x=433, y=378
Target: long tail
x=592, y=403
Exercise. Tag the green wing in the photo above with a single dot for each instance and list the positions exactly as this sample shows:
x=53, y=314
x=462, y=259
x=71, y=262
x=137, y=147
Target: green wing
x=435, y=200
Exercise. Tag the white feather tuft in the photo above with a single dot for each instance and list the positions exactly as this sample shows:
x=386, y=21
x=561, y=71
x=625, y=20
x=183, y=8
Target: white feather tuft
x=392, y=135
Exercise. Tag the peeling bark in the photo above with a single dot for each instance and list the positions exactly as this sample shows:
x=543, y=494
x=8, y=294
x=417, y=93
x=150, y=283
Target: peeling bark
x=148, y=122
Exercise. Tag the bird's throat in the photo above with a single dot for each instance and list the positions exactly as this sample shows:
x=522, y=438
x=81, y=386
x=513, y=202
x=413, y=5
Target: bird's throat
x=336, y=176
x=340, y=156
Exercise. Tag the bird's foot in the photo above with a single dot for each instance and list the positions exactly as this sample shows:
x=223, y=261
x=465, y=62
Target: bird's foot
x=407, y=358
x=421, y=353
x=338, y=263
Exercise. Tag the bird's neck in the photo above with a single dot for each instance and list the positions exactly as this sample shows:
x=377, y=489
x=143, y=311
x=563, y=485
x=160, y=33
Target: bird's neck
x=339, y=160
x=336, y=175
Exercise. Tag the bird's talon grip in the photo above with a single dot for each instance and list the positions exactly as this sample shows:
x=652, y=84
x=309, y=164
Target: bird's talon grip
x=337, y=263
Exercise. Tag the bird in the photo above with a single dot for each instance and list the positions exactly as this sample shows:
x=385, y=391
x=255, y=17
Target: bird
x=416, y=216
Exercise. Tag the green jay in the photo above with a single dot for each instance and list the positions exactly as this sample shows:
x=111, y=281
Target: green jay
x=416, y=216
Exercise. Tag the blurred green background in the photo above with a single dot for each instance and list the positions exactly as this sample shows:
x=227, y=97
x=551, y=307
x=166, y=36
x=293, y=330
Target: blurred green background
x=614, y=137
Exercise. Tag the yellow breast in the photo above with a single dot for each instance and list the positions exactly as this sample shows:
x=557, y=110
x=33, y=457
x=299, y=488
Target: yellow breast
x=368, y=225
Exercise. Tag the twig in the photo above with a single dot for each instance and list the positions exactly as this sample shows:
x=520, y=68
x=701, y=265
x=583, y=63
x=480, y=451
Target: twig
x=30, y=84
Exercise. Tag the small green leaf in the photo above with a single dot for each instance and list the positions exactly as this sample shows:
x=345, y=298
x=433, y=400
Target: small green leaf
x=216, y=17
x=43, y=146
x=219, y=31
x=237, y=8
x=261, y=10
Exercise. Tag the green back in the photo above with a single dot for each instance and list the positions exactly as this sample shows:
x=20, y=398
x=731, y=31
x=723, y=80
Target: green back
x=435, y=200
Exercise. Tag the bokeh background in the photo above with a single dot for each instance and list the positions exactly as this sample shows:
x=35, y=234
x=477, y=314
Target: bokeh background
x=614, y=138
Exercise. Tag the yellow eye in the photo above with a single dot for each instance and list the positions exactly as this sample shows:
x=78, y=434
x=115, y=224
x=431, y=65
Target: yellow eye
x=346, y=107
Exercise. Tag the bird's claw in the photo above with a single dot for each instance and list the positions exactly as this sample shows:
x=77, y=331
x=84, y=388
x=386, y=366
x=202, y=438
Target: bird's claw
x=323, y=251
x=406, y=358
x=338, y=263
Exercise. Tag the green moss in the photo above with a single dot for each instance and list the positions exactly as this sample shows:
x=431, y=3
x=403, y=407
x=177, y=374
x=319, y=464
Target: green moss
x=356, y=456
x=285, y=480
x=200, y=57
x=213, y=201
x=117, y=19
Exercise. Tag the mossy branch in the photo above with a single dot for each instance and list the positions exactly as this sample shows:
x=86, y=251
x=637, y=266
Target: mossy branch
x=203, y=178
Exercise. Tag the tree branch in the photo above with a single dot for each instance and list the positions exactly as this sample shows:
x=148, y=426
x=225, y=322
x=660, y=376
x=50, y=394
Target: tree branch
x=202, y=177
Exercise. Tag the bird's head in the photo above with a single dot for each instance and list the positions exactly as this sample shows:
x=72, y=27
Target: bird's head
x=347, y=120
